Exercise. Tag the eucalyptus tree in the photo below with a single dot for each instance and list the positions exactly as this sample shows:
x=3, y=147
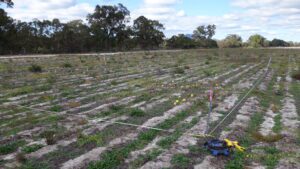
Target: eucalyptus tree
x=106, y=22
x=148, y=33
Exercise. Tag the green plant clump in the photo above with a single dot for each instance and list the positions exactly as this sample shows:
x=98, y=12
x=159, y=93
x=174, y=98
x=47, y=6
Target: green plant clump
x=180, y=161
x=67, y=65
x=137, y=113
x=31, y=148
x=179, y=71
x=10, y=147
x=35, y=68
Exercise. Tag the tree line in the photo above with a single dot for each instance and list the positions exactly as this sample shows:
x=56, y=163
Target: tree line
x=107, y=29
x=254, y=41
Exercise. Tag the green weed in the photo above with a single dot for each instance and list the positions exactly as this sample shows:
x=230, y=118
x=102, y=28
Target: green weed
x=179, y=70
x=32, y=148
x=35, y=68
x=84, y=140
x=11, y=147
x=237, y=162
x=56, y=108
x=277, y=126
x=137, y=112
x=180, y=161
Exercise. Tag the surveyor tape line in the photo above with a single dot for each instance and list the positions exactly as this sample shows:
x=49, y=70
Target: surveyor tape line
x=246, y=95
x=122, y=123
x=158, y=129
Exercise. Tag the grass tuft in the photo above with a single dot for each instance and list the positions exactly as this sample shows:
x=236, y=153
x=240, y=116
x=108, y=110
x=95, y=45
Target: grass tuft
x=31, y=148
x=11, y=147
x=35, y=68
x=269, y=138
x=137, y=113
x=180, y=161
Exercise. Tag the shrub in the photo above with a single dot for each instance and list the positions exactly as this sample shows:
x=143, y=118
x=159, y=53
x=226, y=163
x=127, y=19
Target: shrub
x=35, y=68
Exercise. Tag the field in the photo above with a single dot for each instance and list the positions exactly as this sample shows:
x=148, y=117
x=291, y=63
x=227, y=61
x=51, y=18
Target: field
x=64, y=111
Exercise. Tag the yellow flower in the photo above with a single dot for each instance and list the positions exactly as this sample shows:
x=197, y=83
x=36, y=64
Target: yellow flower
x=183, y=100
x=177, y=101
x=192, y=95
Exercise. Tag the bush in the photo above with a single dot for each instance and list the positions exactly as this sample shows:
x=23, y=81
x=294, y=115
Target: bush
x=35, y=68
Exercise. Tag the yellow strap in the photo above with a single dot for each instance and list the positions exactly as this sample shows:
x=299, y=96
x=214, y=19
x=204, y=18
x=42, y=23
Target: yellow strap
x=234, y=144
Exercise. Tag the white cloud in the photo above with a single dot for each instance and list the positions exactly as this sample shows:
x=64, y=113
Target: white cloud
x=271, y=18
x=160, y=2
x=65, y=10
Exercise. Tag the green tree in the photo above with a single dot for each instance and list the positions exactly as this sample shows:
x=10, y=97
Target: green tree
x=124, y=40
x=7, y=32
x=203, y=36
x=204, y=32
x=9, y=3
x=181, y=41
x=256, y=41
x=278, y=42
x=148, y=32
x=232, y=41
x=106, y=22
x=74, y=37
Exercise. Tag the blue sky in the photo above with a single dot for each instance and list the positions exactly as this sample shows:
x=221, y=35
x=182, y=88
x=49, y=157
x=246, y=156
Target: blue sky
x=271, y=18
